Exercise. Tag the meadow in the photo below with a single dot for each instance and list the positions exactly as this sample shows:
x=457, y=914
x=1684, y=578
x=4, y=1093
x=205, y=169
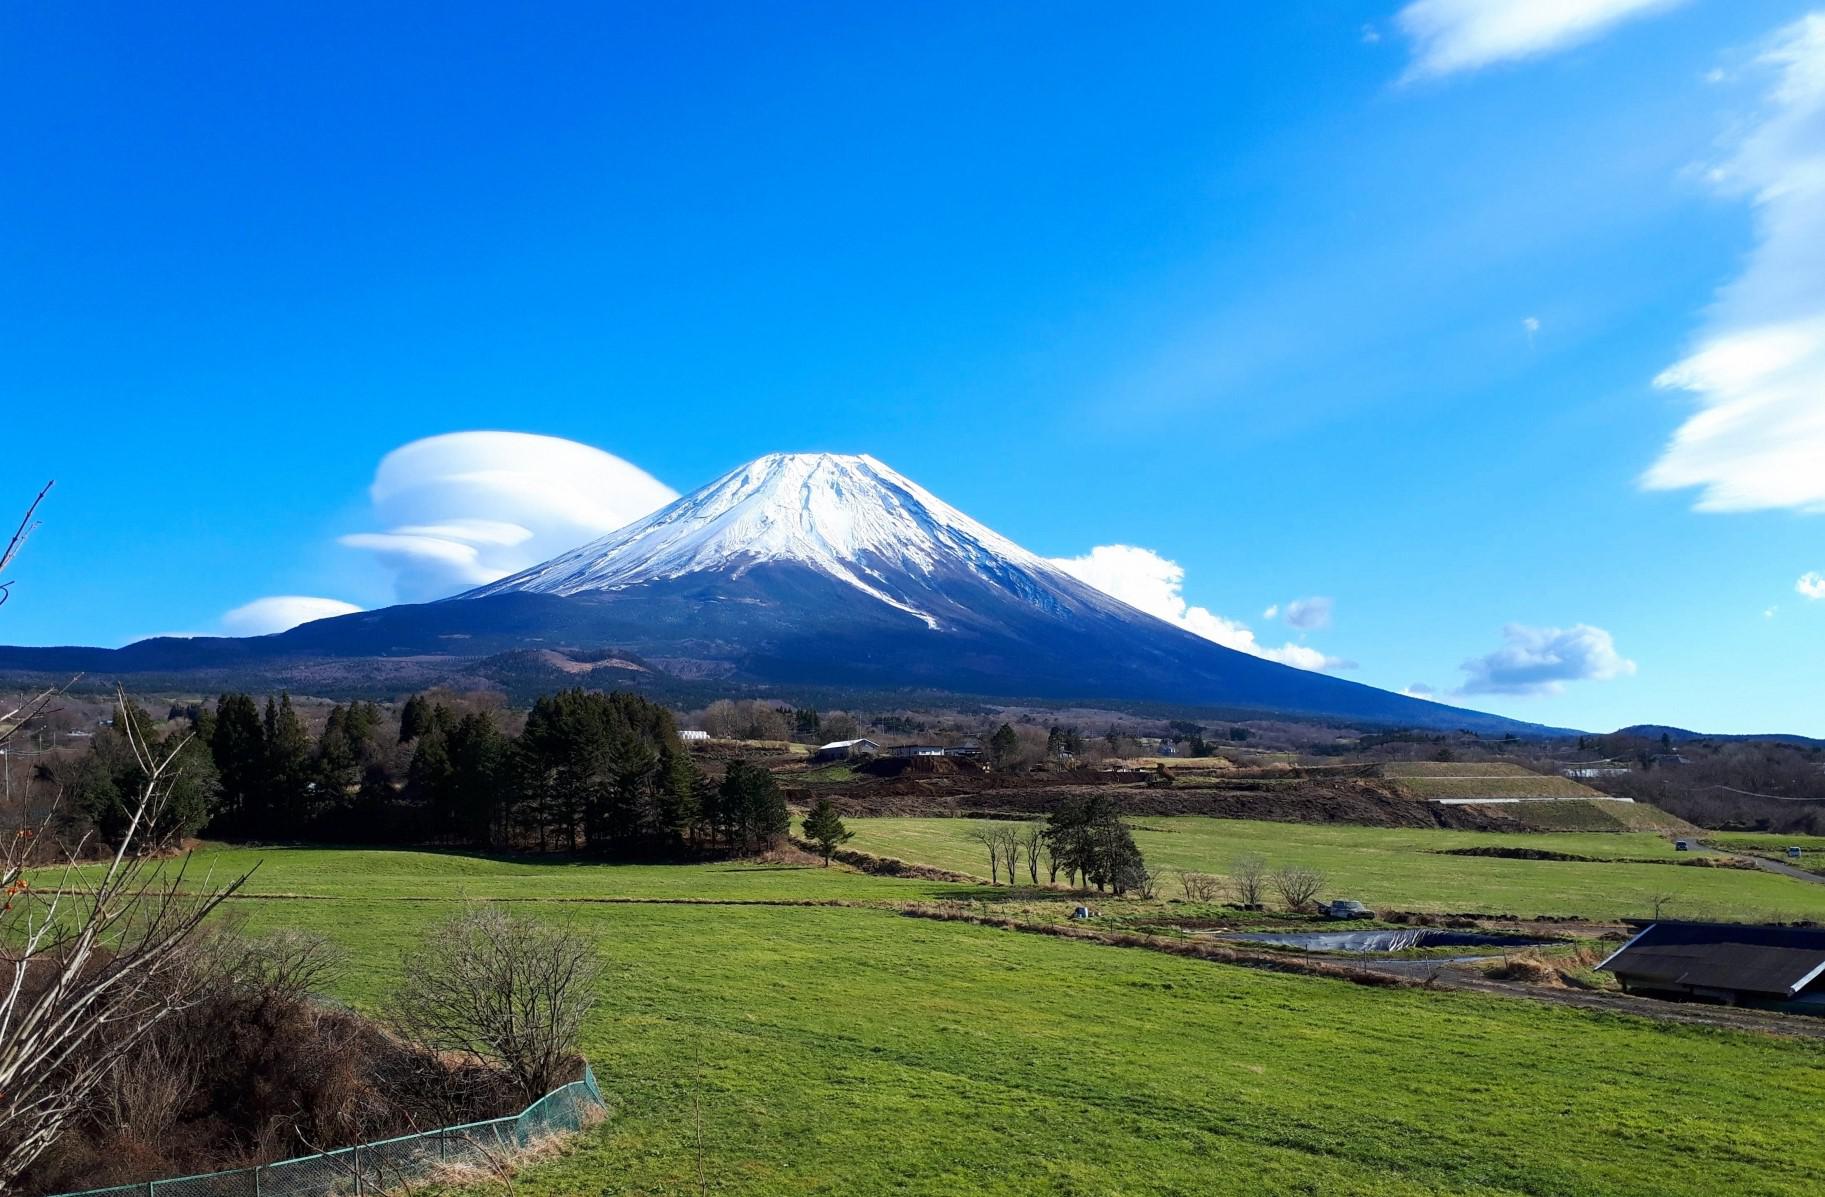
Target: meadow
x=1406, y=869
x=777, y=1049
x=1774, y=847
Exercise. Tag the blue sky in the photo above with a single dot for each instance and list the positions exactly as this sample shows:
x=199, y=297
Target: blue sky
x=1499, y=325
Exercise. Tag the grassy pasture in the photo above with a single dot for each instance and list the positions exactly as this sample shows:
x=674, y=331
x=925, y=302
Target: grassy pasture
x=1399, y=868
x=822, y=1050
x=1455, y=769
x=418, y=876
x=1761, y=843
x=1531, y=785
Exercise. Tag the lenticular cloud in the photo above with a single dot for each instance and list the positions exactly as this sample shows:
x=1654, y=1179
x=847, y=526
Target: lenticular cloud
x=466, y=508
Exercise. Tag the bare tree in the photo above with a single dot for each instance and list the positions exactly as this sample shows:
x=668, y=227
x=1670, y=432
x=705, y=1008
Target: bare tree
x=1009, y=840
x=1200, y=887
x=500, y=989
x=1658, y=902
x=1033, y=842
x=89, y=964
x=1248, y=878
x=1297, y=885
x=990, y=838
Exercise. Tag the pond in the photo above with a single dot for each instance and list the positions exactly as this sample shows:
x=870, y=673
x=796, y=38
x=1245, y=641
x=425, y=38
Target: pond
x=1397, y=940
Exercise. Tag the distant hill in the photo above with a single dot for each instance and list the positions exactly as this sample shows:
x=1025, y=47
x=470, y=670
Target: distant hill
x=1680, y=735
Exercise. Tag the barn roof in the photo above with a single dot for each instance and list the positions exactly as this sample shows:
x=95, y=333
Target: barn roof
x=1777, y=961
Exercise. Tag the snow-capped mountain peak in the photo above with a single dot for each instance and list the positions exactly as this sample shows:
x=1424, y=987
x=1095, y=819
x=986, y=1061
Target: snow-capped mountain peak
x=846, y=516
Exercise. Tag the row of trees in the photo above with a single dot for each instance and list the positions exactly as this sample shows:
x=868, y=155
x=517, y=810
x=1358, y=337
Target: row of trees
x=603, y=773
x=1084, y=839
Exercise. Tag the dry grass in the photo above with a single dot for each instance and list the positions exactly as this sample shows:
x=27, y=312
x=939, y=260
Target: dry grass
x=1554, y=969
x=496, y=1170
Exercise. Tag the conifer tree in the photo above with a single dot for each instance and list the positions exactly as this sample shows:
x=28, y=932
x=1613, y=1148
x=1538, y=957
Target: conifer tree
x=824, y=827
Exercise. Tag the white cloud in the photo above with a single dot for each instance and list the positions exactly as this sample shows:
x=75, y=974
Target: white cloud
x=1307, y=614
x=466, y=508
x=1757, y=369
x=1812, y=585
x=281, y=612
x=1370, y=35
x=1421, y=690
x=1462, y=35
x=1149, y=582
x=1541, y=660
x=1272, y=612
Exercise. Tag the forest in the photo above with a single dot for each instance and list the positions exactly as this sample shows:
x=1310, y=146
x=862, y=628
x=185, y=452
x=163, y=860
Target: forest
x=603, y=774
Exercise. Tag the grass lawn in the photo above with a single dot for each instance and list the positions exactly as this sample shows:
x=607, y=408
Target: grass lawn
x=796, y=1050
x=421, y=876
x=1762, y=843
x=836, y=1050
x=1397, y=868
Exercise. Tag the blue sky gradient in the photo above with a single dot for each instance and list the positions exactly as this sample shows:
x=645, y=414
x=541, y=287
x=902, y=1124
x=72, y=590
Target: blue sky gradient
x=1249, y=286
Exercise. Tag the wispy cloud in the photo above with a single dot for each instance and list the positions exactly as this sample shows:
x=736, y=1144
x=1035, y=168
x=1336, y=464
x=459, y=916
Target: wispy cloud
x=1307, y=614
x=1149, y=582
x=1462, y=35
x=1757, y=371
x=281, y=612
x=465, y=508
x=1812, y=585
x=1539, y=661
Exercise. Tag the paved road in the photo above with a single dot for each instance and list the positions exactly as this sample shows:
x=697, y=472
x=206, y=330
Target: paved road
x=1785, y=870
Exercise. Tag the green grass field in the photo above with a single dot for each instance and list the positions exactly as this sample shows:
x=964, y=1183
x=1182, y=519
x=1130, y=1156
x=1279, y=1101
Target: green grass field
x=1402, y=869
x=1773, y=846
x=779, y=1050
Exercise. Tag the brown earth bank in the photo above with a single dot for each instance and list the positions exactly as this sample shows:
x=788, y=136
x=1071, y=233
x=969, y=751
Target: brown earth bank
x=1368, y=802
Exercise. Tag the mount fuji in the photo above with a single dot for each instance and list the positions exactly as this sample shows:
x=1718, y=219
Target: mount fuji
x=798, y=572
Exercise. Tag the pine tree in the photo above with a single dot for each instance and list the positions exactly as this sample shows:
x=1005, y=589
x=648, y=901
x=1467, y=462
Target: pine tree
x=288, y=772
x=414, y=718
x=237, y=743
x=753, y=807
x=1003, y=745
x=824, y=827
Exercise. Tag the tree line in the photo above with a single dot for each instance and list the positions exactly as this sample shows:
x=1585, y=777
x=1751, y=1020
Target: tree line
x=587, y=772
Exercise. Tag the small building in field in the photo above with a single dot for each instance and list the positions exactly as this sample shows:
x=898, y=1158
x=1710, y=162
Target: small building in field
x=968, y=748
x=691, y=735
x=1731, y=963
x=916, y=750
x=842, y=750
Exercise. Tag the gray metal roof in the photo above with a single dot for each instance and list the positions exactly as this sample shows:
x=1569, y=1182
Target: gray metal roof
x=1773, y=961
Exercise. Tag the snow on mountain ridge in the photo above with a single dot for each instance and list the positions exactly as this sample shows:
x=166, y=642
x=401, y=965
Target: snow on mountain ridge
x=847, y=516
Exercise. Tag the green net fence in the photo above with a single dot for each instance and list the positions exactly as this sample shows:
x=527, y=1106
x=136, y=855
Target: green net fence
x=375, y=1168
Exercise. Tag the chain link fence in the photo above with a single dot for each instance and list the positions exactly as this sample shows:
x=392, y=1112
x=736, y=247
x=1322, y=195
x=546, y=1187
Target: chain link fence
x=374, y=1168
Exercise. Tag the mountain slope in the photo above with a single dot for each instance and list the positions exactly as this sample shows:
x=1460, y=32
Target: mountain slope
x=848, y=518
x=813, y=570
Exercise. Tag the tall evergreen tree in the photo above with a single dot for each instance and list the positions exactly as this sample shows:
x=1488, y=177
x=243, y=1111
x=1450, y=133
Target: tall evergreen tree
x=288, y=768
x=237, y=742
x=824, y=827
x=414, y=718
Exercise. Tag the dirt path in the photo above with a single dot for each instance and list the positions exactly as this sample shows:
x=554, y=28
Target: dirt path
x=1463, y=979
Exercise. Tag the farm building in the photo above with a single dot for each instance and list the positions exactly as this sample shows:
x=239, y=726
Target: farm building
x=842, y=750
x=916, y=750
x=691, y=735
x=1737, y=964
x=968, y=748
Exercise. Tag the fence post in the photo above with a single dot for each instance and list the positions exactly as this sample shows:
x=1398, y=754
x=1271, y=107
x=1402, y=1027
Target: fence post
x=256, y=1180
x=357, y=1170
